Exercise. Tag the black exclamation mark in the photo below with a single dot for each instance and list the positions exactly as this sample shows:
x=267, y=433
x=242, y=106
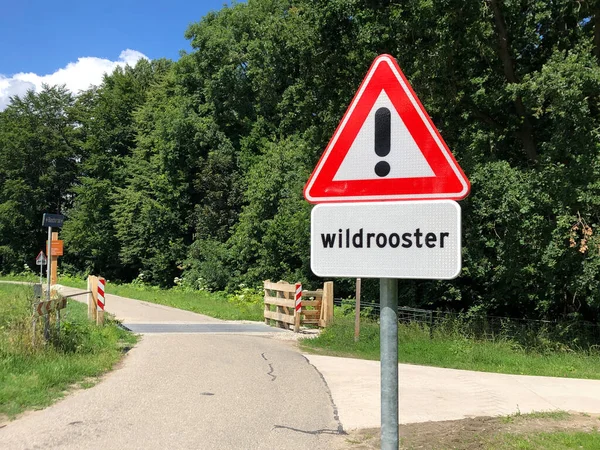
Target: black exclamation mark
x=383, y=132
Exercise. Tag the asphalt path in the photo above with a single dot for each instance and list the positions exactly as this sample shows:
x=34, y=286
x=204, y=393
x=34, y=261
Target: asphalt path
x=236, y=389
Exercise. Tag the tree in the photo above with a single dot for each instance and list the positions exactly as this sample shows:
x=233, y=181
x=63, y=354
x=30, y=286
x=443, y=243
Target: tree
x=39, y=149
x=108, y=134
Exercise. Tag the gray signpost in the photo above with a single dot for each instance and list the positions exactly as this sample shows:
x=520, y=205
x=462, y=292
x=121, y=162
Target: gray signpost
x=390, y=241
x=49, y=221
x=384, y=189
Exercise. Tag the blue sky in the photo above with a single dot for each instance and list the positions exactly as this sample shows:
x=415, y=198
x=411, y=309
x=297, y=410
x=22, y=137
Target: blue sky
x=61, y=41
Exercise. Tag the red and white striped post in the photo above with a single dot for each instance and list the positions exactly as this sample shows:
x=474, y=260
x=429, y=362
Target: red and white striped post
x=100, y=301
x=298, y=307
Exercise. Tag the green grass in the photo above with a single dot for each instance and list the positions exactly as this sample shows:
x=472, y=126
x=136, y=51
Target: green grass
x=552, y=415
x=32, y=377
x=28, y=278
x=451, y=350
x=558, y=440
x=552, y=440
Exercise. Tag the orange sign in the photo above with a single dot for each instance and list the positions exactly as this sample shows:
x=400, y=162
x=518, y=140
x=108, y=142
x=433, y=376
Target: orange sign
x=57, y=248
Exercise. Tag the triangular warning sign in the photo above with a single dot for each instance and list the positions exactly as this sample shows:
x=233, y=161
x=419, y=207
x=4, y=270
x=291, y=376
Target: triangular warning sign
x=40, y=259
x=386, y=148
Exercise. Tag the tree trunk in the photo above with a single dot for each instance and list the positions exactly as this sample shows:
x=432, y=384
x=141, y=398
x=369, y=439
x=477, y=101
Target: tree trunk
x=526, y=132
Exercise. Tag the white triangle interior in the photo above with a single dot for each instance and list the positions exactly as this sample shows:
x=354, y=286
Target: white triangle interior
x=405, y=158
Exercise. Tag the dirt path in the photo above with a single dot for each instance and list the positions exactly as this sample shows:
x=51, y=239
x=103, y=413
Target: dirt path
x=474, y=433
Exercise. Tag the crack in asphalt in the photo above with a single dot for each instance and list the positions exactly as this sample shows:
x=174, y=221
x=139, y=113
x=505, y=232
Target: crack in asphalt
x=315, y=432
x=270, y=372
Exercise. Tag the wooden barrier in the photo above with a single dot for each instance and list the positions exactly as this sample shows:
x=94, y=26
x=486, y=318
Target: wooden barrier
x=317, y=306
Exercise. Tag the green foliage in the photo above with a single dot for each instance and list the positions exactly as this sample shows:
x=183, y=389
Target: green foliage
x=106, y=115
x=38, y=149
x=556, y=440
x=35, y=376
x=191, y=172
x=450, y=347
x=248, y=299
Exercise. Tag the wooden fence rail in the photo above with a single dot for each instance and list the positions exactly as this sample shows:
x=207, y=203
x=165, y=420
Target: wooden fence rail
x=317, y=306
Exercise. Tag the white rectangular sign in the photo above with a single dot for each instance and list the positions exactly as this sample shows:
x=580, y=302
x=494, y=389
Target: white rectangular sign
x=412, y=239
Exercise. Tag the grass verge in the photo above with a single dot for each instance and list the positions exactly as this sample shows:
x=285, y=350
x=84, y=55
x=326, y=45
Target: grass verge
x=32, y=377
x=24, y=278
x=452, y=350
x=558, y=440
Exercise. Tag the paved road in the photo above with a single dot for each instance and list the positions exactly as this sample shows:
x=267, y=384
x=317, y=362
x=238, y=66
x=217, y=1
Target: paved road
x=190, y=391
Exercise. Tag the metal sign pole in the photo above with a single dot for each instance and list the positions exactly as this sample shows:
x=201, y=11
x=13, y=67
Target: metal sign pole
x=357, y=312
x=388, y=291
x=48, y=261
x=49, y=252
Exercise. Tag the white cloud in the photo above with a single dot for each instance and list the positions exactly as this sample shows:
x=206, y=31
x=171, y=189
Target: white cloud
x=76, y=76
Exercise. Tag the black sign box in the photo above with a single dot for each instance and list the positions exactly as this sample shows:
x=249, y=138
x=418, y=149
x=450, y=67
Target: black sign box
x=53, y=220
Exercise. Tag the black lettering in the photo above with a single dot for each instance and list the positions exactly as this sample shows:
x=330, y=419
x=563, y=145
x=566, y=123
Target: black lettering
x=381, y=240
x=357, y=239
x=394, y=240
x=347, y=237
x=328, y=240
x=430, y=240
x=442, y=236
x=418, y=235
x=369, y=236
x=407, y=242
x=340, y=241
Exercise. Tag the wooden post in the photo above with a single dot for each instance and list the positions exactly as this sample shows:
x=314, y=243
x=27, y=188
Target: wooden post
x=328, y=302
x=296, y=321
x=91, y=298
x=357, y=312
x=54, y=262
x=33, y=330
x=267, y=306
x=100, y=317
x=281, y=310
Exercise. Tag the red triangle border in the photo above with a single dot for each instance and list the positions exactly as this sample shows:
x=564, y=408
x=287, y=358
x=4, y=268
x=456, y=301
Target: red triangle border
x=450, y=182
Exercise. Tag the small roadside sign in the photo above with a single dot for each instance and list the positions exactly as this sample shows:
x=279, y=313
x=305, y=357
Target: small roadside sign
x=52, y=220
x=57, y=247
x=40, y=259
